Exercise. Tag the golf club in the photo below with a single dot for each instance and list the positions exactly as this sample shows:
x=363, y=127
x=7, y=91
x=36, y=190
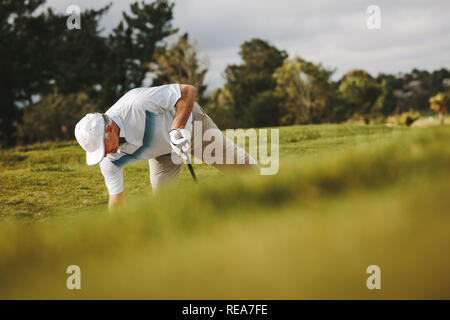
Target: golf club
x=191, y=169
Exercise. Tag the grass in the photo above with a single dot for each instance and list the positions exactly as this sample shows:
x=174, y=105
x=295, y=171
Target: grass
x=345, y=197
x=43, y=179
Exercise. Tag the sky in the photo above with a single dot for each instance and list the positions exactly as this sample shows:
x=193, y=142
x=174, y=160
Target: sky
x=412, y=34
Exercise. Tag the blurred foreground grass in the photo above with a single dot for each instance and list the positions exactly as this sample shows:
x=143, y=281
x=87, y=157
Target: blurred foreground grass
x=346, y=197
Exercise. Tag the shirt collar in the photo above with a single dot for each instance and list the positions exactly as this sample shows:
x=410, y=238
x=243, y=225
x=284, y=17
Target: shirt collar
x=119, y=123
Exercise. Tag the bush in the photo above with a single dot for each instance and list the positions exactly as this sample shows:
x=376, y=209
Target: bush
x=405, y=119
x=54, y=117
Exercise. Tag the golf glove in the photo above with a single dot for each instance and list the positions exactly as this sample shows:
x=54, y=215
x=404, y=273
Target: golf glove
x=180, y=140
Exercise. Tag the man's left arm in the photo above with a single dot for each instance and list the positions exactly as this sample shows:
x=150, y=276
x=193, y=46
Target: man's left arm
x=184, y=106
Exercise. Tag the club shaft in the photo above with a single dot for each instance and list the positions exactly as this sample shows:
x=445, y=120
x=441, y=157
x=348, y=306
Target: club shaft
x=192, y=172
x=191, y=169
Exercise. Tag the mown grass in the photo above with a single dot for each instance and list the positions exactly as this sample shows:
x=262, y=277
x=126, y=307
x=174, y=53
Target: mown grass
x=44, y=179
x=345, y=197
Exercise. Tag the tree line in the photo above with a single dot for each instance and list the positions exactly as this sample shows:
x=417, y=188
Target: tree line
x=52, y=76
x=270, y=89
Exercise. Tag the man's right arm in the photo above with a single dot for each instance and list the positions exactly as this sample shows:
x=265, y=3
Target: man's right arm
x=114, y=181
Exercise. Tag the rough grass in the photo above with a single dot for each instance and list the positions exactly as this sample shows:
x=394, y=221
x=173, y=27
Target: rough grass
x=346, y=197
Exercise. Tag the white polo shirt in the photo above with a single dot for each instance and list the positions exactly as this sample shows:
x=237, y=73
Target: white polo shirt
x=144, y=116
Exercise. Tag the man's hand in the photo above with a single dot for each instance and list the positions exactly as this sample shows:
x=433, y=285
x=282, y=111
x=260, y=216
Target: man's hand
x=180, y=140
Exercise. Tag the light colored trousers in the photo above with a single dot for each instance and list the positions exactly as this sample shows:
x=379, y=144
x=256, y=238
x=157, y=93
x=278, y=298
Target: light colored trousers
x=163, y=169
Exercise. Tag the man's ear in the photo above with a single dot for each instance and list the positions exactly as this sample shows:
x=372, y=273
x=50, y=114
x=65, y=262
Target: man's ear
x=108, y=128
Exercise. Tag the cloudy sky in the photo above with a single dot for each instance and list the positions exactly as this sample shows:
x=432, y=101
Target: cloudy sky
x=413, y=34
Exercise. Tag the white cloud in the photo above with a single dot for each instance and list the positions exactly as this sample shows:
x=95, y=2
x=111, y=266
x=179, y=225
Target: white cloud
x=414, y=33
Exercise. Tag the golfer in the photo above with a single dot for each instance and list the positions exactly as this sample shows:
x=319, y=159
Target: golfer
x=154, y=124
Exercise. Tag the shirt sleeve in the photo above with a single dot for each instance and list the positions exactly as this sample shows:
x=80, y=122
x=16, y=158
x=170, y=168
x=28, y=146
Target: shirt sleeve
x=159, y=99
x=113, y=176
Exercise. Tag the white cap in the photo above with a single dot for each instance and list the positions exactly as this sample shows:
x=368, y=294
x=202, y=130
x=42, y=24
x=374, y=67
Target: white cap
x=90, y=134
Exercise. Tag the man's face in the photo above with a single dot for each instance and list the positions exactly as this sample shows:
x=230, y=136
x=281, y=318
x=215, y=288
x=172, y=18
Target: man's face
x=111, y=140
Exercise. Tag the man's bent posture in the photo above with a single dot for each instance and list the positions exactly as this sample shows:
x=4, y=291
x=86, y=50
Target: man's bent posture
x=148, y=124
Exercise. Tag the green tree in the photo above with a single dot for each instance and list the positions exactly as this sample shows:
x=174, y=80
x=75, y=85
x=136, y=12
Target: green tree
x=440, y=103
x=78, y=56
x=220, y=108
x=54, y=117
x=132, y=45
x=179, y=63
x=245, y=82
x=386, y=102
x=21, y=64
x=305, y=91
x=412, y=90
x=361, y=92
